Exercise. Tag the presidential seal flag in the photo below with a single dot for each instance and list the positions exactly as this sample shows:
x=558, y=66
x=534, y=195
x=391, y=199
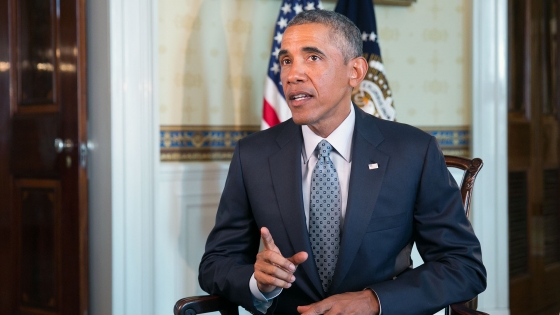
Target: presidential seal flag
x=275, y=108
x=373, y=95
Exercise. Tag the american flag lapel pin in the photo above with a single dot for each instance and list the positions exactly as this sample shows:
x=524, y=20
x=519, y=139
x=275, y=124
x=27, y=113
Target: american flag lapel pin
x=373, y=166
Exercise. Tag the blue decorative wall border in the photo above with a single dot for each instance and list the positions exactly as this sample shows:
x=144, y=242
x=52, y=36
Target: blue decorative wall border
x=452, y=140
x=201, y=143
x=205, y=143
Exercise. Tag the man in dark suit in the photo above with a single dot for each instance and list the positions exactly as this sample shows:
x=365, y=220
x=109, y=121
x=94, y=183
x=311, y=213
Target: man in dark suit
x=387, y=186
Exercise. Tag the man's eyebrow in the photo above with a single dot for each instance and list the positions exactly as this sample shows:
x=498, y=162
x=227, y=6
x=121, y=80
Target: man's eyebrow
x=308, y=49
x=311, y=49
x=282, y=52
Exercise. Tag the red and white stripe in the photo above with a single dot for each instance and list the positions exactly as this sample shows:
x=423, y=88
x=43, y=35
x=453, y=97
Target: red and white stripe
x=275, y=108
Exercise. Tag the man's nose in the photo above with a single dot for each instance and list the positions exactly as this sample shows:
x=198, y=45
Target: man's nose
x=296, y=73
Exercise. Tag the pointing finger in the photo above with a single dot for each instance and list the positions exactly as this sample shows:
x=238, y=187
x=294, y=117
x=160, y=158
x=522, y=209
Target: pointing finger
x=268, y=242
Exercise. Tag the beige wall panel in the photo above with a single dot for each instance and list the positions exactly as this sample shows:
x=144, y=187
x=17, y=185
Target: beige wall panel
x=214, y=54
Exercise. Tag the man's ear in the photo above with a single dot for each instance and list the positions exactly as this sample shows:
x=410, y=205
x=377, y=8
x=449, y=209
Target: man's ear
x=358, y=69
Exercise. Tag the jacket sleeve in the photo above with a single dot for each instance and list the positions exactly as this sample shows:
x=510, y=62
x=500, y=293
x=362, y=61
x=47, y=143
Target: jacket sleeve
x=231, y=248
x=452, y=270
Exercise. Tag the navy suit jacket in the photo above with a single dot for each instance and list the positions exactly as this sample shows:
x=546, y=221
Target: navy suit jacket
x=410, y=198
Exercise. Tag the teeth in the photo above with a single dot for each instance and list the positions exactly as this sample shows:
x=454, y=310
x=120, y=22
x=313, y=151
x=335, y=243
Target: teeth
x=299, y=96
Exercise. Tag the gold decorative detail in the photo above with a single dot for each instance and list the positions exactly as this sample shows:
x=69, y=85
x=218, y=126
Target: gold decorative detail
x=187, y=22
x=389, y=33
x=436, y=61
x=189, y=109
x=188, y=79
x=435, y=10
x=240, y=82
x=435, y=35
x=436, y=111
x=240, y=26
x=436, y=86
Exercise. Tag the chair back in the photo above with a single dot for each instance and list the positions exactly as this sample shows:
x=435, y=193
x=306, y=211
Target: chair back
x=471, y=169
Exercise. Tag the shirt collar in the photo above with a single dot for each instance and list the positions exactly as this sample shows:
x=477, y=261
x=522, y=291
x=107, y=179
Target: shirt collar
x=340, y=138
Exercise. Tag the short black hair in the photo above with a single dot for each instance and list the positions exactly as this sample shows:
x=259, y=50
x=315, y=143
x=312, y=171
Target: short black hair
x=345, y=33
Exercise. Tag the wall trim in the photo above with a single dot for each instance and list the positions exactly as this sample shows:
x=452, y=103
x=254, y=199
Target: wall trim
x=216, y=143
x=489, y=135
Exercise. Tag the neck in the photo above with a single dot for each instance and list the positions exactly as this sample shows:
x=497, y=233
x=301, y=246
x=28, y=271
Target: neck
x=324, y=129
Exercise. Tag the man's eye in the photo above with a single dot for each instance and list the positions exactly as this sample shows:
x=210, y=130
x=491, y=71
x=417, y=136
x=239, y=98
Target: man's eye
x=284, y=61
x=314, y=58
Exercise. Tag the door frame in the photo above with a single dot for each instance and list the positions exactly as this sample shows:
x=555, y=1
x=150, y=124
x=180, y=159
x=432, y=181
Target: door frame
x=123, y=161
x=489, y=142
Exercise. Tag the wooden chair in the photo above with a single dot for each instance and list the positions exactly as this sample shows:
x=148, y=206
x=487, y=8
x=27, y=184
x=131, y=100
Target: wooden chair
x=212, y=303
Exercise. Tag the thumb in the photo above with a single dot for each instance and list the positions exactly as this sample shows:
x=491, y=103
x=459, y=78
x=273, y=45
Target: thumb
x=303, y=309
x=298, y=258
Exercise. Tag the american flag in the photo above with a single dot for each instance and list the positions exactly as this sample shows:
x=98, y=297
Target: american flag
x=275, y=108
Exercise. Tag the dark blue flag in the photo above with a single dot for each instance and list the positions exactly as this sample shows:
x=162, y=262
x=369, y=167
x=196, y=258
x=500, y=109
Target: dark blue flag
x=373, y=95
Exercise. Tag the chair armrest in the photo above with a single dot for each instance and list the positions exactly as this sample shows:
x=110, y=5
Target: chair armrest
x=464, y=309
x=193, y=305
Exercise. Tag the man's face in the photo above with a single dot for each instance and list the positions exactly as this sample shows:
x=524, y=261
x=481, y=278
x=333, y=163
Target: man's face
x=315, y=79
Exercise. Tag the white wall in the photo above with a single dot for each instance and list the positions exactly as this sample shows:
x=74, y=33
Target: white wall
x=189, y=194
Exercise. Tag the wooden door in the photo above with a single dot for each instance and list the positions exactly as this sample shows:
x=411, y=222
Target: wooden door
x=43, y=188
x=533, y=157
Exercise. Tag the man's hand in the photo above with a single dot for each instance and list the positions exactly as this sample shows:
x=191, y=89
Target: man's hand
x=272, y=270
x=363, y=302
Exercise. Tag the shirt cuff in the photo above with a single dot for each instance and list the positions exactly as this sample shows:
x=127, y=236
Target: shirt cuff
x=261, y=296
x=377, y=297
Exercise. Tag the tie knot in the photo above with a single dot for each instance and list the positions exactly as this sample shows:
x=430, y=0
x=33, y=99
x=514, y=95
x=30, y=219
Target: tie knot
x=324, y=149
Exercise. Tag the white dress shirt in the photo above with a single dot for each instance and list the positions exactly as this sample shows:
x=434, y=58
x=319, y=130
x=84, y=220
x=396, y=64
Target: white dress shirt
x=341, y=140
x=341, y=156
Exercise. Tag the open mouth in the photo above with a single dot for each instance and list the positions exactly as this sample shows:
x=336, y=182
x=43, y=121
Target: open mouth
x=299, y=97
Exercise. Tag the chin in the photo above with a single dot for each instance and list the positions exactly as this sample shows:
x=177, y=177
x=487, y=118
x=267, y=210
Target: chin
x=301, y=116
x=299, y=120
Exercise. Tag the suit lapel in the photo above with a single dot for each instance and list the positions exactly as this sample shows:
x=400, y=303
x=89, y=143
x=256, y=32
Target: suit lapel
x=288, y=189
x=364, y=188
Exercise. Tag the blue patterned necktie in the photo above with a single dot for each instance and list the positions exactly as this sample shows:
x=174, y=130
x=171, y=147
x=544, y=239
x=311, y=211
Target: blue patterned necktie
x=325, y=214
